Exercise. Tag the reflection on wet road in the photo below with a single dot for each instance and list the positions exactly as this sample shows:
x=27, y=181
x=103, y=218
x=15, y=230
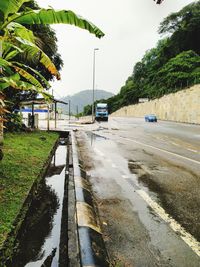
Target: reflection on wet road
x=118, y=173
x=40, y=235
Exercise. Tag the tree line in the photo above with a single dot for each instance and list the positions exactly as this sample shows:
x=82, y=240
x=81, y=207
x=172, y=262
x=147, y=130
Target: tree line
x=172, y=65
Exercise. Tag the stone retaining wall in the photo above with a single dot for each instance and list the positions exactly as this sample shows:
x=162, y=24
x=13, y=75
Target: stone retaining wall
x=183, y=106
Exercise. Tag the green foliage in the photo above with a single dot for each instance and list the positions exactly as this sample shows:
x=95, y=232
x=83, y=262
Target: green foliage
x=184, y=28
x=179, y=72
x=87, y=110
x=17, y=174
x=20, y=45
x=13, y=122
x=172, y=65
x=47, y=41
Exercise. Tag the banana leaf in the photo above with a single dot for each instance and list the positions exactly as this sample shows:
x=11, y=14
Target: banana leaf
x=8, y=7
x=51, y=16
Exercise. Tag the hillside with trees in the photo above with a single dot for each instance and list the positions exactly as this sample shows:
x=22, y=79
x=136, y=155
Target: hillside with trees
x=174, y=64
x=81, y=99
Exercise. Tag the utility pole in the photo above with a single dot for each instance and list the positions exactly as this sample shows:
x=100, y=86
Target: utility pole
x=48, y=118
x=52, y=106
x=77, y=111
x=55, y=114
x=93, y=85
x=69, y=109
x=32, y=117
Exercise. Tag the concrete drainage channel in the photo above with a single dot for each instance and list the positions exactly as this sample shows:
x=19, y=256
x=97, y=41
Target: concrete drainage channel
x=61, y=226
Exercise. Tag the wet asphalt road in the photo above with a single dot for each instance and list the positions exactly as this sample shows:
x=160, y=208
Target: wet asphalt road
x=146, y=181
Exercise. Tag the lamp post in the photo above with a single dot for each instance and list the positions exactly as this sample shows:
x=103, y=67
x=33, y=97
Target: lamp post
x=93, y=86
x=69, y=109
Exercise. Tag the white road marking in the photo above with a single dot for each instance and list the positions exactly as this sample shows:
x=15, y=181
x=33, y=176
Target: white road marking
x=125, y=176
x=162, y=150
x=175, y=226
x=193, y=150
x=173, y=143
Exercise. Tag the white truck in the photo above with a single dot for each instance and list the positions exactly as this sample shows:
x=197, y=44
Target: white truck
x=101, y=112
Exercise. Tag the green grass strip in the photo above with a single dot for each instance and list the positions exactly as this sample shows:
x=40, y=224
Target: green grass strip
x=24, y=157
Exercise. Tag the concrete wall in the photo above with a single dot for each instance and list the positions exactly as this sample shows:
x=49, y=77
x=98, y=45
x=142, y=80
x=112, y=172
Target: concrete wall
x=183, y=106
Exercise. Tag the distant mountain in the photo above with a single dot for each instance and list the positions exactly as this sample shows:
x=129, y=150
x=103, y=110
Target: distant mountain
x=82, y=99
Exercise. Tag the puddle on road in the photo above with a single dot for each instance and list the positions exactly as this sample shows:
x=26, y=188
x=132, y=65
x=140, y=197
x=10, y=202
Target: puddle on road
x=40, y=235
x=95, y=138
x=100, y=128
x=129, y=168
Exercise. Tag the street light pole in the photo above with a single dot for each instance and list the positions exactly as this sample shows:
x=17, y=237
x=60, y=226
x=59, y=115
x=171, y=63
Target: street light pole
x=93, y=86
x=69, y=109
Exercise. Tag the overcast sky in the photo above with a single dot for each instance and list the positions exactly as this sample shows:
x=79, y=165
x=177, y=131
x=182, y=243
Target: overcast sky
x=130, y=28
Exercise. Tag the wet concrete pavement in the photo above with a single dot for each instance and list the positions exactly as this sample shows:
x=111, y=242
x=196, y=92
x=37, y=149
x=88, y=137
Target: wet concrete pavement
x=146, y=182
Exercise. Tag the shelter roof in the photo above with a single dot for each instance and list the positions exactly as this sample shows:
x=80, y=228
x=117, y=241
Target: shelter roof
x=40, y=101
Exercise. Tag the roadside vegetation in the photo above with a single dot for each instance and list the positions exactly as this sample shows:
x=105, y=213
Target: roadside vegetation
x=28, y=61
x=24, y=157
x=28, y=51
x=173, y=65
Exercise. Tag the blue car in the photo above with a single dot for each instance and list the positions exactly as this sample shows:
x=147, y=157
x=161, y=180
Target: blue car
x=150, y=118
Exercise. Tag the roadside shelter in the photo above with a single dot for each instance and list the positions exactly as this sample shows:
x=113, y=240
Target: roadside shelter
x=42, y=101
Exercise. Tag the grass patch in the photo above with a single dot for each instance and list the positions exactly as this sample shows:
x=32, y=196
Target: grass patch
x=24, y=157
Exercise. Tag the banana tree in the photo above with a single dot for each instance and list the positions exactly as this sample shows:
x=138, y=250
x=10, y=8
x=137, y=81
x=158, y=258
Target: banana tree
x=9, y=27
x=12, y=32
x=10, y=11
x=16, y=74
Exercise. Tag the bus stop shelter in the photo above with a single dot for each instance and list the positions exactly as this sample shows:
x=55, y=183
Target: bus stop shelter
x=42, y=101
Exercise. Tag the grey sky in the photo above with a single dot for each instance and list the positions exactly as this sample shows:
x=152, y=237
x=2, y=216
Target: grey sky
x=131, y=29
